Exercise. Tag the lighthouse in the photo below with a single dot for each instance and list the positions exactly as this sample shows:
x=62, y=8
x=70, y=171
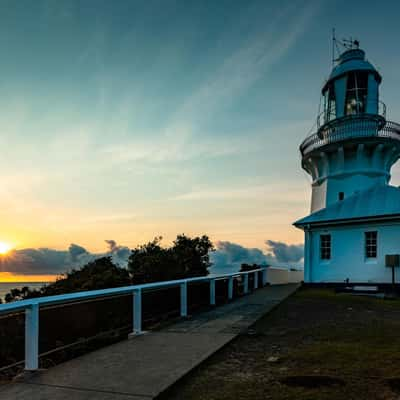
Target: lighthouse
x=355, y=213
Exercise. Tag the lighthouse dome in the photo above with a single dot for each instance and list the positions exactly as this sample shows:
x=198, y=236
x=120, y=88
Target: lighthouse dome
x=351, y=60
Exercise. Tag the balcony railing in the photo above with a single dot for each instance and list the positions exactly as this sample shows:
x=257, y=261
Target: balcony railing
x=351, y=127
x=31, y=307
x=329, y=116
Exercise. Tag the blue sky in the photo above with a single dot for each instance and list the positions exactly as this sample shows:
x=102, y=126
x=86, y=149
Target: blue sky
x=132, y=119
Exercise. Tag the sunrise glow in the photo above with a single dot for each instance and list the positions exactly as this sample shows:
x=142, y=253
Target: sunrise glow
x=7, y=277
x=5, y=248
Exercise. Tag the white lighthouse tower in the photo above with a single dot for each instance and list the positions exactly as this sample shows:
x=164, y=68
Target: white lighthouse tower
x=355, y=213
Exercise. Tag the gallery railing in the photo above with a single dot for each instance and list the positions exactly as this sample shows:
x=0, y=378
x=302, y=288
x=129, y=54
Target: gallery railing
x=325, y=117
x=352, y=127
x=32, y=307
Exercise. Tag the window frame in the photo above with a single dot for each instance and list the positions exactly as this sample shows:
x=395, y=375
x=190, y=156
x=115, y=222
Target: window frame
x=356, y=93
x=371, y=245
x=325, y=247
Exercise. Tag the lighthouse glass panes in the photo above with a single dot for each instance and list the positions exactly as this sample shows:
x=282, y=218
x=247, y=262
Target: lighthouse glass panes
x=371, y=243
x=356, y=94
x=325, y=247
x=330, y=104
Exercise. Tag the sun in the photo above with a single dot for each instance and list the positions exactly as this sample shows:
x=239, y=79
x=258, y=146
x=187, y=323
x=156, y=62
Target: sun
x=4, y=248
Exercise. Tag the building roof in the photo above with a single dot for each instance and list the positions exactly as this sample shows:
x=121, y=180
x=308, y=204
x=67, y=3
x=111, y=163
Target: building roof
x=379, y=202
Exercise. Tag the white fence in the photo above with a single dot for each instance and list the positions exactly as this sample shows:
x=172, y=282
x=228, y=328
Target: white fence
x=32, y=306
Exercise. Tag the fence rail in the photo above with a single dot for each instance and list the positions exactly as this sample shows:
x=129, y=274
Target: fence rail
x=31, y=307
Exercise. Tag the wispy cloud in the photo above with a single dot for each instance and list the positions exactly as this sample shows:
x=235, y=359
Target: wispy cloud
x=183, y=138
x=273, y=191
x=264, y=47
x=126, y=134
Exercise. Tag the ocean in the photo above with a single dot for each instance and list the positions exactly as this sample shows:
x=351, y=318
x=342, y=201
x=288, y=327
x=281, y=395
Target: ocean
x=5, y=287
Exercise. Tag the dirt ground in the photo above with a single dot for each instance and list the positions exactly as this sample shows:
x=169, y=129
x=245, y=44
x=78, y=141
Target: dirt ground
x=315, y=345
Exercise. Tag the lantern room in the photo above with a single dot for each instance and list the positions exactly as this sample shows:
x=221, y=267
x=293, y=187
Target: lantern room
x=352, y=87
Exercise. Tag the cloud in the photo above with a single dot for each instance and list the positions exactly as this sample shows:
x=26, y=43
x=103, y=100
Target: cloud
x=76, y=251
x=120, y=254
x=272, y=191
x=237, y=70
x=264, y=47
x=229, y=256
x=285, y=253
x=45, y=261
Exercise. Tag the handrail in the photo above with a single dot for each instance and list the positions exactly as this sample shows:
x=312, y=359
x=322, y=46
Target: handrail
x=88, y=294
x=327, y=116
x=350, y=128
x=32, y=306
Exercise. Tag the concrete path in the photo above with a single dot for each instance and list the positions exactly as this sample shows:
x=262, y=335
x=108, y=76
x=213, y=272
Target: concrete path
x=143, y=367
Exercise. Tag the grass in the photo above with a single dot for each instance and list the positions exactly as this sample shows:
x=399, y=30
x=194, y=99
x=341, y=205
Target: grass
x=327, y=345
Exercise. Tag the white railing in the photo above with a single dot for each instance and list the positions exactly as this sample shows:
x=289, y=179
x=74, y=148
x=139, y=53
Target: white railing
x=351, y=127
x=32, y=306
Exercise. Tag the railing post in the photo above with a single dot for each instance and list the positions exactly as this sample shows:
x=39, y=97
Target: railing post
x=246, y=284
x=212, y=292
x=137, y=312
x=32, y=337
x=230, y=288
x=184, y=299
x=264, y=276
x=256, y=280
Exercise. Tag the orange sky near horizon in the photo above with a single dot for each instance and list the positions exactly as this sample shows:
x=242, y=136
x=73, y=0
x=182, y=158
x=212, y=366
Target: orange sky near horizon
x=7, y=277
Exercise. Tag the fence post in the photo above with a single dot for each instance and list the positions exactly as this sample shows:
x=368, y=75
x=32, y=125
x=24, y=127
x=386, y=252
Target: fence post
x=137, y=312
x=32, y=337
x=183, y=299
x=230, y=288
x=256, y=280
x=212, y=292
x=246, y=284
x=264, y=276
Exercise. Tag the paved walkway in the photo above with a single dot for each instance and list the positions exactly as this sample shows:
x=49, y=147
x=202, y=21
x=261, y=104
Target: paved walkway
x=143, y=367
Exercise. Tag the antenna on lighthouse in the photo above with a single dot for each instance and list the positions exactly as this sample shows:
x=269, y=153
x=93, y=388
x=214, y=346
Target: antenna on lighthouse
x=340, y=46
x=335, y=46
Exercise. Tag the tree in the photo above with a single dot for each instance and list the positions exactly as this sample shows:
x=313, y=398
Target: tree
x=188, y=257
x=20, y=294
x=101, y=273
x=192, y=255
x=247, y=267
x=149, y=262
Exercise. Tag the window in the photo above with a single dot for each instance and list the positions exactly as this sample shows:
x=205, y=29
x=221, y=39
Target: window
x=371, y=244
x=356, y=96
x=330, y=104
x=341, y=196
x=325, y=247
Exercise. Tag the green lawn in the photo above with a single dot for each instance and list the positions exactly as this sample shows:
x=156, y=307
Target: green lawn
x=327, y=345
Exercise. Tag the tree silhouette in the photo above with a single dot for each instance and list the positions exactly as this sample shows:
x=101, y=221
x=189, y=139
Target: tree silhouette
x=101, y=273
x=187, y=257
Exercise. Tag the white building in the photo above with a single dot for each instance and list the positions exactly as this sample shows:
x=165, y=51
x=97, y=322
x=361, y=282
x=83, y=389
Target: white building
x=355, y=213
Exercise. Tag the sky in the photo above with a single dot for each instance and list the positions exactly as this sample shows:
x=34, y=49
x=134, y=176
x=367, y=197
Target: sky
x=127, y=120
